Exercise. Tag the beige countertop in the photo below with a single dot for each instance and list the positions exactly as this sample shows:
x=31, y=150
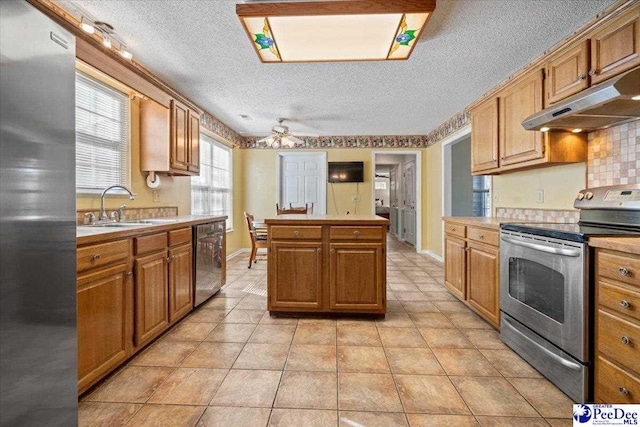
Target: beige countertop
x=91, y=234
x=327, y=219
x=622, y=244
x=487, y=222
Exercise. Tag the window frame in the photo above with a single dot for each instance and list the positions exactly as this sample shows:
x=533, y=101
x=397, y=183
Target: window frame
x=216, y=141
x=98, y=78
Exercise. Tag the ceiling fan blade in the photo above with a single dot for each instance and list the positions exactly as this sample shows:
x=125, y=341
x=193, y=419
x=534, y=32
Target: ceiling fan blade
x=268, y=140
x=291, y=140
x=309, y=135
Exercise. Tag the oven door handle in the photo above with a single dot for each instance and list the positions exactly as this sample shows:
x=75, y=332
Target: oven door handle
x=543, y=248
x=564, y=362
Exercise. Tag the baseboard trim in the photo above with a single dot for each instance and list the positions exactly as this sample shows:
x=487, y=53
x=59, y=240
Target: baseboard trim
x=433, y=255
x=238, y=252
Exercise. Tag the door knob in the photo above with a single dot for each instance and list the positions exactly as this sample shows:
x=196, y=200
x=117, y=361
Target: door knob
x=625, y=340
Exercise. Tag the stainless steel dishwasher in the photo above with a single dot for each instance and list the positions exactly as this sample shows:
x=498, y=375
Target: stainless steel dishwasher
x=209, y=260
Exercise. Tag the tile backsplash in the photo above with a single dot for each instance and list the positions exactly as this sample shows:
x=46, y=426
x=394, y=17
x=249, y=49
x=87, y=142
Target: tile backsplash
x=613, y=155
x=538, y=215
x=133, y=213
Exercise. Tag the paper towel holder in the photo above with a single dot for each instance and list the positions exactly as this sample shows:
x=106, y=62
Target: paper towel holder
x=153, y=180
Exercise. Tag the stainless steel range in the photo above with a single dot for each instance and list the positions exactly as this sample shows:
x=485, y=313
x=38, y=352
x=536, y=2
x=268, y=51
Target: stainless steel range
x=546, y=295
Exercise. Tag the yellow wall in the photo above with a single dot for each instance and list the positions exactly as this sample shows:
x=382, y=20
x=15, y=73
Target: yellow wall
x=560, y=183
x=238, y=238
x=432, y=199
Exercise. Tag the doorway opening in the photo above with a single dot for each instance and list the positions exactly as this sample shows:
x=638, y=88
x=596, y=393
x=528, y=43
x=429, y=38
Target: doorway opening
x=397, y=193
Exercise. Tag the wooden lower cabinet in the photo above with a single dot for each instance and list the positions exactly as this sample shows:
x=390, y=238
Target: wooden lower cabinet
x=472, y=266
x=298, y=273
x=180, y=281
x=327, y=265
x=455, y=266
x=483, y=275
x=617, y=327
x=102, y=323
x=151, y=297
x=356, y=276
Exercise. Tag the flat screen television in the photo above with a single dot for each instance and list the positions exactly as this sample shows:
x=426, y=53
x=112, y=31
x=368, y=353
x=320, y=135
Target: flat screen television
x=346, y=171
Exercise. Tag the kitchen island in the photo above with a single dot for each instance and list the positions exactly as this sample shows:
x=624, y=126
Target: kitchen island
x=327, y=264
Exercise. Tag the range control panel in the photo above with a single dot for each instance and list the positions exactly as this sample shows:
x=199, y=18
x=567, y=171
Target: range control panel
x=615, y=197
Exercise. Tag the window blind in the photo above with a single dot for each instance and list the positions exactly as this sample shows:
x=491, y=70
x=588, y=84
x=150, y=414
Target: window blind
x=102, y=135
x=211, y=191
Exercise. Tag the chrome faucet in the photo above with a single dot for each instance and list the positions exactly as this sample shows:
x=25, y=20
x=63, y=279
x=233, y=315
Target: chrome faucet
x=103, y=212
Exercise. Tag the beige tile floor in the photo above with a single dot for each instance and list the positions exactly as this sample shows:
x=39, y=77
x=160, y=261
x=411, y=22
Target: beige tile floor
x=429, y=362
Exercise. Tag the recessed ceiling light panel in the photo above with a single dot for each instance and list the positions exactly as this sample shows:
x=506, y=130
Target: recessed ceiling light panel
x=338, y=30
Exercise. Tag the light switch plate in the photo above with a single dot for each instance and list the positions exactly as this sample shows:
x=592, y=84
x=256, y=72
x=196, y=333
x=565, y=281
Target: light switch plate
x=355, y=198
x=156, y=195
x=539, y=196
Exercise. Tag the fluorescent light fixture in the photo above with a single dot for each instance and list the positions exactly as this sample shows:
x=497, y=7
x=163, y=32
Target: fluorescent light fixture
x=544, y=129
x=86, y=27
x=335, y=30
x=577, y=130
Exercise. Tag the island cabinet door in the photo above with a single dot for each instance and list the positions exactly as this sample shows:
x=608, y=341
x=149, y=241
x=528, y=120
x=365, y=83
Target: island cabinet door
x=295, y=270
x=356, y=277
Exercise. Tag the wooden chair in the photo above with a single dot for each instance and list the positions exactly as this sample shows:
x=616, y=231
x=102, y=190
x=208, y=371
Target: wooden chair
x=258, y=239
x=291, y=210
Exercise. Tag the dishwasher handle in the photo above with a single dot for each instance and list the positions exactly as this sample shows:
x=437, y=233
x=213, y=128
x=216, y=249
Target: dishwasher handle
x=543, y=248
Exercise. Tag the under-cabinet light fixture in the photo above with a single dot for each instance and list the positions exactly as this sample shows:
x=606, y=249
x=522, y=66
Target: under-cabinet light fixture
x=577, y=130
x=544, y=129
x=87, y=27
x=335, y=30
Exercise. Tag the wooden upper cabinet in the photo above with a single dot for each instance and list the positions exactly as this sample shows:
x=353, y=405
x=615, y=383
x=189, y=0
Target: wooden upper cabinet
x=169, y=138
x=568, y=72
x=616, y=47
x=517, y=102
x=194, y=142
x=179, y=136
x=484, y=136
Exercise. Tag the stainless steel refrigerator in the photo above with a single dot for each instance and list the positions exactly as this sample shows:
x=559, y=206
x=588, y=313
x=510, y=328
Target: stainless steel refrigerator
x=38, y=350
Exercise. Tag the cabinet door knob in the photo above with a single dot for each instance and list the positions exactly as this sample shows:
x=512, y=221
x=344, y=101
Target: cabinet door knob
x=581, y=76
x=453, y=229
x=296, y=233
x=129, y=273
x=624, y=304
x=168, y=259
x=356, y=233
x=623, y=271
x=481, y=237
x=593, y=72
x=625, y=340
x=95, y=257
x=623, y=391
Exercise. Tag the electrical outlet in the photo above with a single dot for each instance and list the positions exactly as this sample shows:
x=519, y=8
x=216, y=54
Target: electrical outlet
x=156, y=195
x=355, y=198
x=496, y=197
x=539, y=196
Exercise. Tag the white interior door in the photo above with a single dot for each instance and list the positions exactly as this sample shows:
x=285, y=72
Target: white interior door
x=409, y=204
x=303, y=179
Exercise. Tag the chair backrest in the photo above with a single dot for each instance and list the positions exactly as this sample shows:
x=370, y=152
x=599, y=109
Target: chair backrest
x=291, y=210
x=252, y=230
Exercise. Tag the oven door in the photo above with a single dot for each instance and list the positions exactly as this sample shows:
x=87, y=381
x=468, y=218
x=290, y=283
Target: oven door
x=543, y=285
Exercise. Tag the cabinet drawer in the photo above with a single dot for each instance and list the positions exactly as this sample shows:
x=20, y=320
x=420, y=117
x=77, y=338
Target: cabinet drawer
x=455, y=229
x=311, y=232
x=483, y=235
x=615, y=385
x=356, y=233
x=618, y=299
x=619, y=340
x=177, y=237
x=621, y=267
x=146, y=244
x=103, y=254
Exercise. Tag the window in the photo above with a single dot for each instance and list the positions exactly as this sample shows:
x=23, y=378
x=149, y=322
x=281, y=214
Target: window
x=102, y=135
x=211, y=191
x=481, y=195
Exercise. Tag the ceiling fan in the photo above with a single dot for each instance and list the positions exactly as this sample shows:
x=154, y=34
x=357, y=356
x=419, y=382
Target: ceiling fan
x=281, y=135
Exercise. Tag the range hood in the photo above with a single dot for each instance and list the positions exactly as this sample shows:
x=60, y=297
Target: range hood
x=610, y=103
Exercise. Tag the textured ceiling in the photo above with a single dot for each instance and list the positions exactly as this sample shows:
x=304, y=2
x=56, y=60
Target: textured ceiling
x=200, y=48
